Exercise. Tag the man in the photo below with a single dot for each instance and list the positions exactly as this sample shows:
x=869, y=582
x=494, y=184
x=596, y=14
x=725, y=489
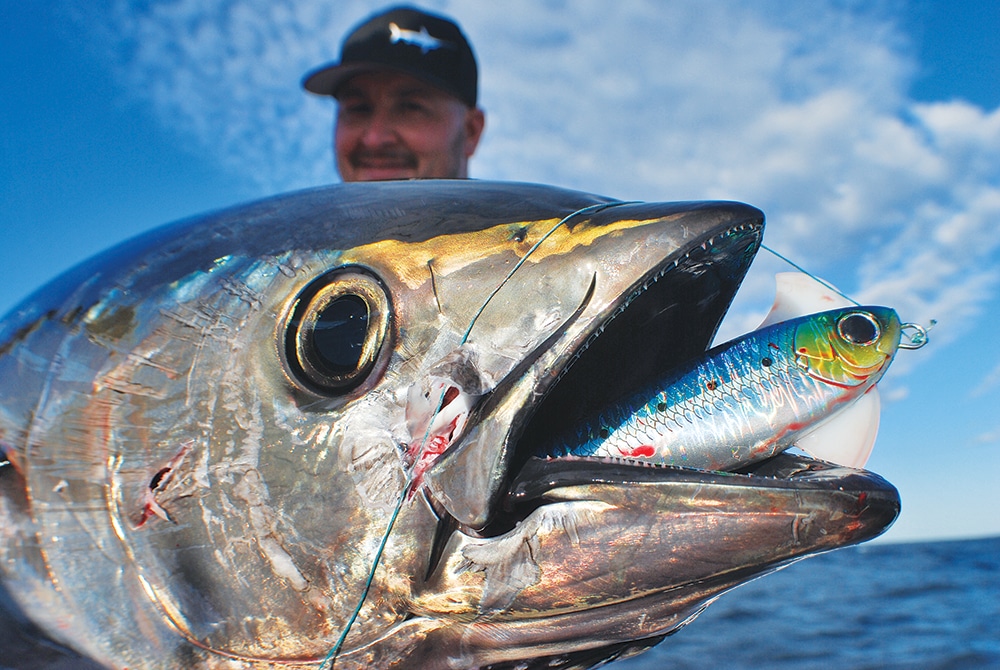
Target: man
x=406, y=88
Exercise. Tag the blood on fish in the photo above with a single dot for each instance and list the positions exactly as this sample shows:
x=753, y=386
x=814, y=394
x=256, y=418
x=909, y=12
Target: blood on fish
x=425, y=453
x=644, y=450
x=150, y=509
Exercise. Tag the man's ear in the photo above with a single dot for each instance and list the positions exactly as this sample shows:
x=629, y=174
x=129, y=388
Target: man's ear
x=475, y=121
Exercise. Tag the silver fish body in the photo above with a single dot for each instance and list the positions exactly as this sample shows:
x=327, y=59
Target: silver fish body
x=209, y=428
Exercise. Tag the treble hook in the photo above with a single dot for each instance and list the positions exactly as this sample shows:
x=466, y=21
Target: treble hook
x=918, y=338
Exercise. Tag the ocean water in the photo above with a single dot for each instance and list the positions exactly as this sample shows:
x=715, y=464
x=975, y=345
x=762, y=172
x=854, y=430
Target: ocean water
x=927, y=606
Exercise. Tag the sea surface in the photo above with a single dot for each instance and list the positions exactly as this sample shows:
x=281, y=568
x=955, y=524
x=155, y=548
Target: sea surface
x=927, y=605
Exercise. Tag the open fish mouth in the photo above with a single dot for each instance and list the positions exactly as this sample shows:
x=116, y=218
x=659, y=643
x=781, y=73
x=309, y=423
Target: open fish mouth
x=667, y=318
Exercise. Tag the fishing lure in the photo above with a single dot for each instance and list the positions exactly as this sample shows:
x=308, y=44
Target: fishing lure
x=747, y=399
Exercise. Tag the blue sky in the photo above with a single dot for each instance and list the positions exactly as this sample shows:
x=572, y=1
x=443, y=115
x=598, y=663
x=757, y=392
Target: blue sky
x=869, y=132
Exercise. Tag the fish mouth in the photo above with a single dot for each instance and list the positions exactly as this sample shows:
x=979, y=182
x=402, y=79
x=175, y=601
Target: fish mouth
x=610, y=538
x=670, y=316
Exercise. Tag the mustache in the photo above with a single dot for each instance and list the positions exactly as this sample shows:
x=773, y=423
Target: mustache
x=396, y=156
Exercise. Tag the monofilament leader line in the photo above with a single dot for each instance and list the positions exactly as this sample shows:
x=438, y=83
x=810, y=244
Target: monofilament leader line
x=331, y=657
x=917, y=338
x=814, y=277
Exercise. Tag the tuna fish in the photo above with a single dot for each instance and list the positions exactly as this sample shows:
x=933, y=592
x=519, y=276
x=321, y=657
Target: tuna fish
x=209, y=431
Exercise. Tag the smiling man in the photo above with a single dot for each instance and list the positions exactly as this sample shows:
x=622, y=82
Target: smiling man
x=406, y=87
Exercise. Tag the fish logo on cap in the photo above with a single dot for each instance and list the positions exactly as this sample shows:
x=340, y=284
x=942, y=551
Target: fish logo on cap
x=421, y=38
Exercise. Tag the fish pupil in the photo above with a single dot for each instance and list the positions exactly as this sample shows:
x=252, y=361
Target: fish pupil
x=339, y=334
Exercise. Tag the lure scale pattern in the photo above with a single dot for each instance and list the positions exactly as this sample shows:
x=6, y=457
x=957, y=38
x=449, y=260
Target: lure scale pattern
x=745, y=400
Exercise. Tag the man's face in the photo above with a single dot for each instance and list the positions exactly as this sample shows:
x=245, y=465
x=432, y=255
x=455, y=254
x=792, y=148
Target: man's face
x=393, y=126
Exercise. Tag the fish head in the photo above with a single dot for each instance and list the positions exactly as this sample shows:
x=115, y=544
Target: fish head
x=233, y=435
x=848, y=347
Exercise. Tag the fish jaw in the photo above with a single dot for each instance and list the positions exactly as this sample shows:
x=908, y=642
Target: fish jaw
x=652, y=546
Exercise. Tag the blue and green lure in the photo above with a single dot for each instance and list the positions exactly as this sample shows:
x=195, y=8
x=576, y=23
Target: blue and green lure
x=747, y=399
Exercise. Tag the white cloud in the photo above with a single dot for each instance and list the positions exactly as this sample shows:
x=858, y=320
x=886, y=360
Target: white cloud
x=801, y=109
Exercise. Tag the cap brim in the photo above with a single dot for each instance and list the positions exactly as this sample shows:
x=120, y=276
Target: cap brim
x=326, y=80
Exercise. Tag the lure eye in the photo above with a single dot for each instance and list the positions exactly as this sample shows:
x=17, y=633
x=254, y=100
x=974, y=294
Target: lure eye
x=859, y=328
x=336, y=330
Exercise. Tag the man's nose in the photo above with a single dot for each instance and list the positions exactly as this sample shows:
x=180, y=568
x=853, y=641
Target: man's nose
x=379, y=131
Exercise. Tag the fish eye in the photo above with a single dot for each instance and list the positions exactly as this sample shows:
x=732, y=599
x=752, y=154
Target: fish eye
x=859, y=328
x=336, y=330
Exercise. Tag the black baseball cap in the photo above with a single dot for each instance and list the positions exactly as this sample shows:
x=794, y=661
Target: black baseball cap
x=408, y=40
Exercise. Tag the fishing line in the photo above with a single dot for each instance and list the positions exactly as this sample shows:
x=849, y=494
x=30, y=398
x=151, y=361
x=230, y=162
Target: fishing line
x=917, y=334
x=335, y=651
x=814, y=277
x=331, y=657
x=586, y=210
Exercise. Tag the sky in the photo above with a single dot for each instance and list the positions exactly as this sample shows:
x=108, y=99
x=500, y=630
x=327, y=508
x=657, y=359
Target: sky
x=868, y=132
